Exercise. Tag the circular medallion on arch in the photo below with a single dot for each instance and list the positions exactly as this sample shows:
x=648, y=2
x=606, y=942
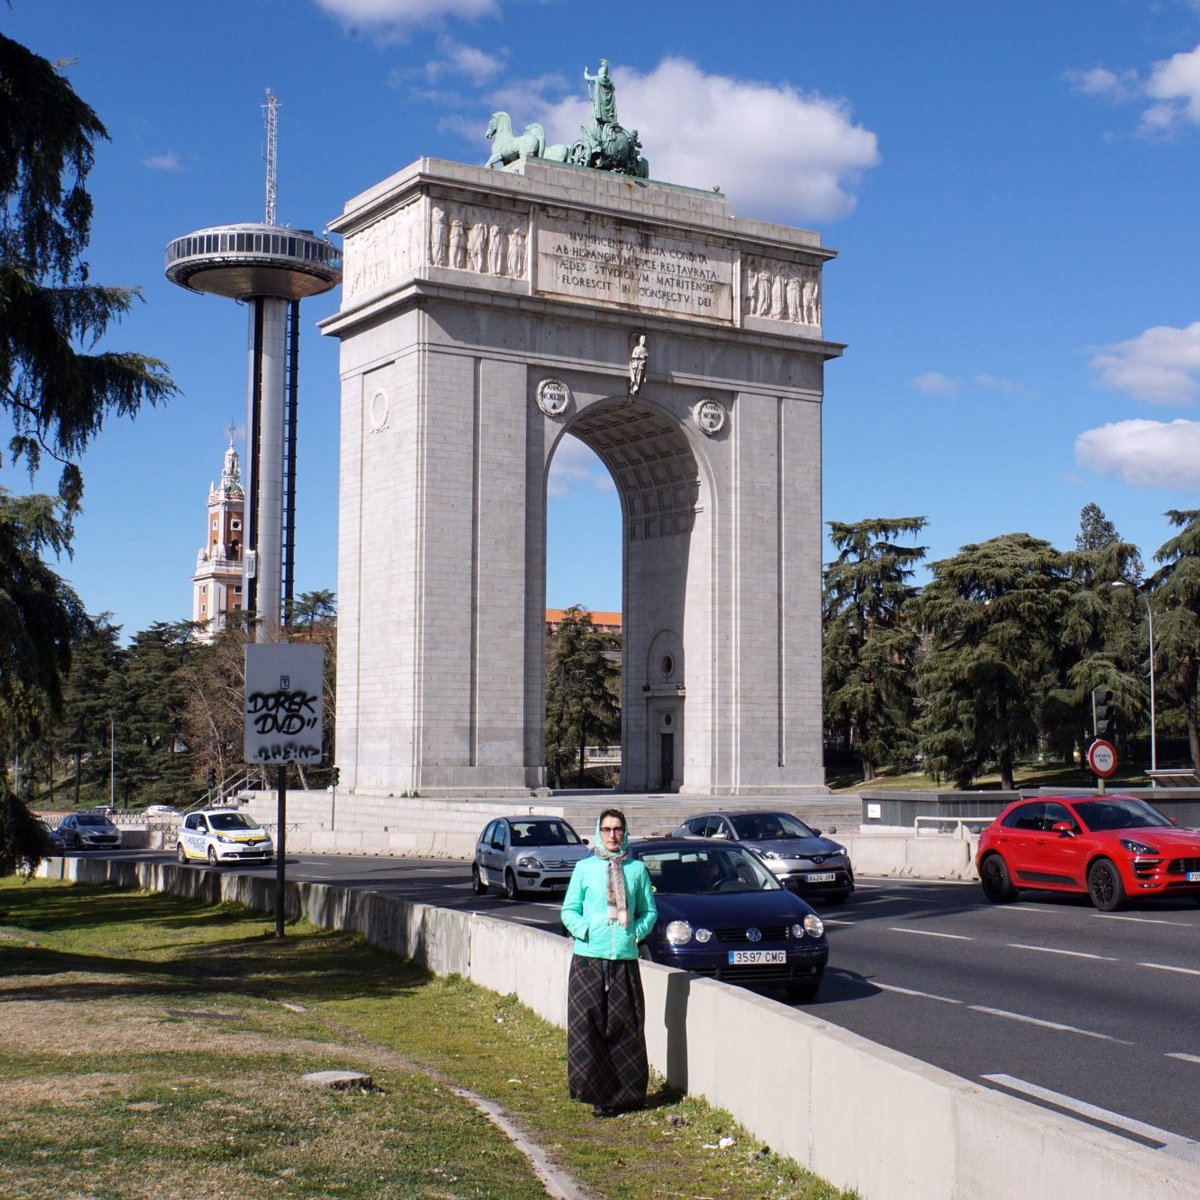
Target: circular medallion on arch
x=553, y=396
x=710, y=416
x=377, y=410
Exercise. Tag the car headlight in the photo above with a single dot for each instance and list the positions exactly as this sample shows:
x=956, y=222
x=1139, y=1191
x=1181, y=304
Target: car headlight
x=224, y=837
x=1137, y=847
x=813, y=926
x=530, y=860
x=703, y=935
x=678, y=933
x=770, y=854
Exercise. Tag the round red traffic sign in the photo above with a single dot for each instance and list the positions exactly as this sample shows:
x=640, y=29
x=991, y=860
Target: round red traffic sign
x=1102, y=758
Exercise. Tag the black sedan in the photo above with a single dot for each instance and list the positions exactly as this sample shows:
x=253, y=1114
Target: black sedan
x=722, y=914
x=799, y=857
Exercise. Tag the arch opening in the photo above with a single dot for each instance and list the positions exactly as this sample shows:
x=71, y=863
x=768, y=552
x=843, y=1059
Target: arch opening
x=658, y=486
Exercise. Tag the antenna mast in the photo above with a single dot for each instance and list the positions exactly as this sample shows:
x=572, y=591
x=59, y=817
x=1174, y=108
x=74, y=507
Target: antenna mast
x=272, y=122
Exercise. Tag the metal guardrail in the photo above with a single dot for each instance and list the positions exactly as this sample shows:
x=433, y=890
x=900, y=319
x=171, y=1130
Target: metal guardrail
x=960, y=827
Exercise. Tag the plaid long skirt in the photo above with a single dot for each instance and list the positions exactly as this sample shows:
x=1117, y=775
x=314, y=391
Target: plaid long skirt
x=606, y=1043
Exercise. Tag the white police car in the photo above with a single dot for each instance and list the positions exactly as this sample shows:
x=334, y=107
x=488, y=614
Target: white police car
x=222, y=835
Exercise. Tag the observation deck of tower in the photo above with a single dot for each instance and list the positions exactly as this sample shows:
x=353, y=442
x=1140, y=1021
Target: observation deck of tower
x=271, y=268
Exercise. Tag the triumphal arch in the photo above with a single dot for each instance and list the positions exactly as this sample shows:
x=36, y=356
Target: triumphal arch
x=486, y=315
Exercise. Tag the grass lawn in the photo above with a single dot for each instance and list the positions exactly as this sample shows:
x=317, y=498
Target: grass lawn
x=154, y=1047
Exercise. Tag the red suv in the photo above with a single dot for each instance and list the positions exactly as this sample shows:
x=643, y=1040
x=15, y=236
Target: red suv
x=1114, y=848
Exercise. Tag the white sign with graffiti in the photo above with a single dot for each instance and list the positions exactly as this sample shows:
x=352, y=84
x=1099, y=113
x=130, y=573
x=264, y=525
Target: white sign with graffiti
x=284, y=710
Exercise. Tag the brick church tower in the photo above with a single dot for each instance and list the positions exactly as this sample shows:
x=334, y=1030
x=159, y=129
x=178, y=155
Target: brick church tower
x=218, y=581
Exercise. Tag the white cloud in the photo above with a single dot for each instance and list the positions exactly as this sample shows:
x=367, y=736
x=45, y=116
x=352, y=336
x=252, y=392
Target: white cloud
x=1144, y=454
x=1158, y=365
x=393, y=14
x=934, y=383
x=777, y=153
x=457, y=59
x=169, y=161
x=574, y=468
x=1117, y=86
x=997, y=383
x=1175, y=85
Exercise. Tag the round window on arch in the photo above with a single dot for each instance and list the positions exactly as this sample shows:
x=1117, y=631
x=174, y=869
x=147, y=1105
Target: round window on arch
x=668, y=666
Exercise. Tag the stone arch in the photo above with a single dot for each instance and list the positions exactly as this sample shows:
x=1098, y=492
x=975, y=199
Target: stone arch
x=715, y=448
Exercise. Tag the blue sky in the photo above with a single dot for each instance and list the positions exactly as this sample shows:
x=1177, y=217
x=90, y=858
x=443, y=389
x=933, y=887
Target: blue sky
x=1011, y=187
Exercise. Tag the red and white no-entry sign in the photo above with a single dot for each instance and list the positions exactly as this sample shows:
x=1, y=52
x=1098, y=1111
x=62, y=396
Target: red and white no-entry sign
x=1102, y=758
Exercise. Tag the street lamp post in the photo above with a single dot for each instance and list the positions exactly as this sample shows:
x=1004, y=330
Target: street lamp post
x=1150, y=626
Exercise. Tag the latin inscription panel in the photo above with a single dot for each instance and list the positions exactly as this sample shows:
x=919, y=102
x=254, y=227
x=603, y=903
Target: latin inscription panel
x=589, y=258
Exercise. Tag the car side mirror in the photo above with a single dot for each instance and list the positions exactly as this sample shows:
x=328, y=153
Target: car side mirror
x=817, y=832
x=1063, y=828
x=585, y=841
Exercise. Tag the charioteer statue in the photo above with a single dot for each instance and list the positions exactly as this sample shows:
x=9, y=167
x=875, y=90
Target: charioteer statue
x=604, y=145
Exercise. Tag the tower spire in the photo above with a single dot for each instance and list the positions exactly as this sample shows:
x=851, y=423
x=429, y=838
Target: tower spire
x=270, y=110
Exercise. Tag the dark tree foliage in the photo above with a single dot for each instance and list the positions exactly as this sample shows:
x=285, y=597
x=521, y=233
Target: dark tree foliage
x=153, y=765
x=1097, y=646
x=869, y=644
x=1097, y=534
x=55, y=388
x=90, y=701
x=1175, y=595
x=992, y=615
x=39, y=617
x=582, y=693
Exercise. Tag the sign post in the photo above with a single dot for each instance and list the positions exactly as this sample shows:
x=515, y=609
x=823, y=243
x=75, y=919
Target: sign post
x=1102, y=760
x=284, y=723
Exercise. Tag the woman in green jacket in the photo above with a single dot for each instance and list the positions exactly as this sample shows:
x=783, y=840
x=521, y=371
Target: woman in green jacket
x=609, y=908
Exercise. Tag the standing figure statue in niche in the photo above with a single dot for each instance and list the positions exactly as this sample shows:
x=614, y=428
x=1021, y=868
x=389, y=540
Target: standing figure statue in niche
x=604, y=99
x=638, y=357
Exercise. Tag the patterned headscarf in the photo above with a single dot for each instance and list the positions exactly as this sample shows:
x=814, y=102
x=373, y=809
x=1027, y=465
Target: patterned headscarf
x=618, y=902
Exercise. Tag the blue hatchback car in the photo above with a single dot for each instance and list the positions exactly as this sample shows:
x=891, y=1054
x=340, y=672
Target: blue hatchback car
x=723, y=914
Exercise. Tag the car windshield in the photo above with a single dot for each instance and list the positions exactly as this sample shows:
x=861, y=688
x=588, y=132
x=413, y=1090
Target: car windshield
x=1099, y=815
x=544, y=833
x=688, y=872
x=229, y=820
x=764, y=827
x=91, y=819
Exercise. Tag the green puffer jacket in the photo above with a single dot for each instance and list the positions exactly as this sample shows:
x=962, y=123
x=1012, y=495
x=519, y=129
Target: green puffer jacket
x=585, y=910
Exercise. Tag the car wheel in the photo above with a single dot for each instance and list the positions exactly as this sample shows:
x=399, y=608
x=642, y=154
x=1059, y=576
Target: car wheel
x=212, y=856
x=510, y=885
x=477, y=884
x=180, y=857
x=1105, y=886
x=798, y=993
x=996, y=882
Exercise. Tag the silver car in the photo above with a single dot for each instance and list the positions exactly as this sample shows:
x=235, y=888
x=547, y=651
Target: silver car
x=88, y=831
x=799, y=857
x=526, y=854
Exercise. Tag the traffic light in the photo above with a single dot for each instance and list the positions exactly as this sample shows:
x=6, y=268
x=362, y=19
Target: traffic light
x=1101, y=706
x=334, y=776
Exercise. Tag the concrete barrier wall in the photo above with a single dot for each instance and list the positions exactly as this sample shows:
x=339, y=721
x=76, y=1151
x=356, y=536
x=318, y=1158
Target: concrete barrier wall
x=861, y=1115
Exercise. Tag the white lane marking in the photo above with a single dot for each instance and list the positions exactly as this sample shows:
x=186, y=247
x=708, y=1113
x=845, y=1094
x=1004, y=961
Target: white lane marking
x=837, y=921
x=1055, y=1025
x=1165, y=967
x=903, y=991
x=1170, y=1143
x=1142, y=920
x=1179, y=1054
x=957, y=937
x=1068, y=953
